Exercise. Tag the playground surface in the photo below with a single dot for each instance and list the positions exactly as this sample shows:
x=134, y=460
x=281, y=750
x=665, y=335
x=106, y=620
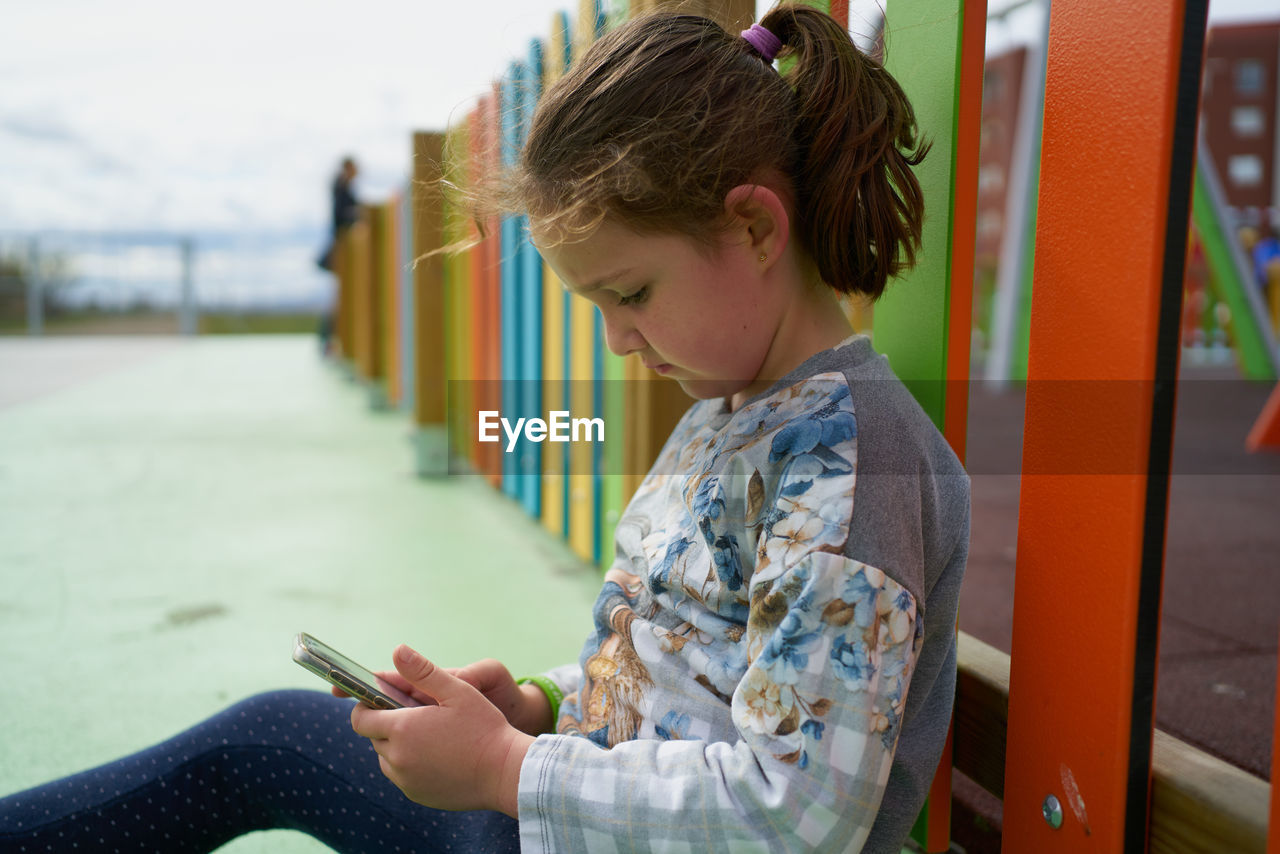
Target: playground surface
x=173, y=510
x=1220, y=618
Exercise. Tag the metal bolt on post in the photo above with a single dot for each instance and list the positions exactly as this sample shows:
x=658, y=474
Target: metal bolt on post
x=1052, y=809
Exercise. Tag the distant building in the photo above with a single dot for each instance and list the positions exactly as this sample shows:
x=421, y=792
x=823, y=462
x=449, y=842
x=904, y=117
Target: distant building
x=1240, y=114
x=1238, y=105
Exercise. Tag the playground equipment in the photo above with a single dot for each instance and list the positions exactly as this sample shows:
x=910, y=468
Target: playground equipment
x=1235, y=322
x=1075, y=775
x=1231, y=277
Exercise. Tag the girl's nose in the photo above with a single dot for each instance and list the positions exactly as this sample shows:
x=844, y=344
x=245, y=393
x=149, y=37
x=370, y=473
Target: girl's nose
x=620, y=337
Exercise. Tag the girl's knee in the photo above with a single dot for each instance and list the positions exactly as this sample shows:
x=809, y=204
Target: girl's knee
x=279, y=717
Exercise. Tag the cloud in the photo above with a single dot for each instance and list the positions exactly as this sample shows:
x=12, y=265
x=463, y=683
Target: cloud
x=38, y=128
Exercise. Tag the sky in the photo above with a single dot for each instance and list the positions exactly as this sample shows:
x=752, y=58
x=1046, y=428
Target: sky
x=231, y=117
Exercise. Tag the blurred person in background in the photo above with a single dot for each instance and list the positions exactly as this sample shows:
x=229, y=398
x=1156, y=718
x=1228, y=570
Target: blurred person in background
x=346, y=212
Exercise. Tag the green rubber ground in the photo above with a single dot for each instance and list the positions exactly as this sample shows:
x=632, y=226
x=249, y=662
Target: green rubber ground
x=173, y=511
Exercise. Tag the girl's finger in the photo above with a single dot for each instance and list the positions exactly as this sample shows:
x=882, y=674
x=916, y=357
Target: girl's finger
x=370, y=723
x=394, y=678
x=436, y=682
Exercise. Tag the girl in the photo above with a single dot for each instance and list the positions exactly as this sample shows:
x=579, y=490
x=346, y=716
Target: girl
x=773, y=663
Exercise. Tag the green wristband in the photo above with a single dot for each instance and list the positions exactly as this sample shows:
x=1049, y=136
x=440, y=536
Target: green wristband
x=554, y=695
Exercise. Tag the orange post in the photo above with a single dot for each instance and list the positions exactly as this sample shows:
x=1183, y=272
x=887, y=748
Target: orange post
x=1121, y=97
x=1265, y=433
x=486, y=341
x=973, y=35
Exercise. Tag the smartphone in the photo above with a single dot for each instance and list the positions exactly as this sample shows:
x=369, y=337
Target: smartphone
x=331, y=665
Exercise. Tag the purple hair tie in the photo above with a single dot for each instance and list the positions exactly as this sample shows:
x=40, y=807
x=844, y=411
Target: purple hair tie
x=765, y=42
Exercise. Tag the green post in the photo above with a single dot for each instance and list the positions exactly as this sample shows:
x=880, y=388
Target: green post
x=911, y=323
x=923, y=322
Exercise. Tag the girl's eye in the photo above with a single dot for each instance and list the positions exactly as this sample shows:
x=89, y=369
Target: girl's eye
x=635, y=298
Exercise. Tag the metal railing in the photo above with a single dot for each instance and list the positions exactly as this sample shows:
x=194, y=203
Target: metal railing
x=55, y=281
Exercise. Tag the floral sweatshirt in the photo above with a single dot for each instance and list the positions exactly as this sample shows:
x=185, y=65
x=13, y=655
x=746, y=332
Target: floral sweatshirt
x=773, y=661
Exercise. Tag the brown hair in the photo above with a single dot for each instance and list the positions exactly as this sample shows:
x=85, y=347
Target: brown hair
x=666, y=114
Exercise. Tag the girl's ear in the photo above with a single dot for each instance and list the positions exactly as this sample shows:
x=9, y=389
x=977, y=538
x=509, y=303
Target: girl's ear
x=758, y=219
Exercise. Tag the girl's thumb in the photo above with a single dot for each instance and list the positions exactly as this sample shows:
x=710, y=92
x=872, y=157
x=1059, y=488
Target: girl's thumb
x=422, y=673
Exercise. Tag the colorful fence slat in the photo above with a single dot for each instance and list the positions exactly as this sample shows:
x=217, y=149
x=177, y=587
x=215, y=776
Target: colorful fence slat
x=614, y=398
x=585, y=361
x=388, y=269
x=555, y=320
x=345, y=308
x=530, y=285
x=405, y=333
x=362, y=295
x=427, y=308
x=922, y=323
x=457, y=391
x=486, y=271
x=373, y=361
x=1114, y=207
x=510, y=331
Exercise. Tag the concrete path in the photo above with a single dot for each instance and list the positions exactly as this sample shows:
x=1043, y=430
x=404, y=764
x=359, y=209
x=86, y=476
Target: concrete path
x=173, y=511
x=1220, y=618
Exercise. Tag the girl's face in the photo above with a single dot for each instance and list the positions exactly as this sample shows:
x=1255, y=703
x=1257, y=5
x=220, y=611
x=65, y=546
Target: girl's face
x=703, y=317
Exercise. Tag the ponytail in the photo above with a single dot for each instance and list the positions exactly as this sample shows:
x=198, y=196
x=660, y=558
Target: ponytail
x=666, y=114
x=858, y=204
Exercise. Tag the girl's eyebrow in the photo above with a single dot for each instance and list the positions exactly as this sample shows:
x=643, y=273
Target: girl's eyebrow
x=600, y=282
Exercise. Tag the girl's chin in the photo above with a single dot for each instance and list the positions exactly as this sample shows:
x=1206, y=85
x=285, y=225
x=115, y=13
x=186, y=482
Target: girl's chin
x=706, y=389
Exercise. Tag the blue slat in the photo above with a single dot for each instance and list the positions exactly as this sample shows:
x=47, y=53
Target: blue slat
x=509, y=272
x=530, y=319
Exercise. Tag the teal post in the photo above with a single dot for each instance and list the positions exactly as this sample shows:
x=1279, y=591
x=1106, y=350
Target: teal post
x=530, y=319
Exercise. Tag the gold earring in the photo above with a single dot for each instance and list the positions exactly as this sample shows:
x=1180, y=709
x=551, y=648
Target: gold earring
x=763, y=257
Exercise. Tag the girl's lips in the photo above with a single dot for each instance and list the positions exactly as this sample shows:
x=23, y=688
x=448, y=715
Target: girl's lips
x=662, y=368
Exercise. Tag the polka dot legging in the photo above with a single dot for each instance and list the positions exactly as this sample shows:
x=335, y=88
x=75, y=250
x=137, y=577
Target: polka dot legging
x=286, y=759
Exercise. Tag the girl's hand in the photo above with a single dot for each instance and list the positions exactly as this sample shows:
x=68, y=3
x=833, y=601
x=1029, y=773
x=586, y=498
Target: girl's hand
x=525, y=706
x=459, y=753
